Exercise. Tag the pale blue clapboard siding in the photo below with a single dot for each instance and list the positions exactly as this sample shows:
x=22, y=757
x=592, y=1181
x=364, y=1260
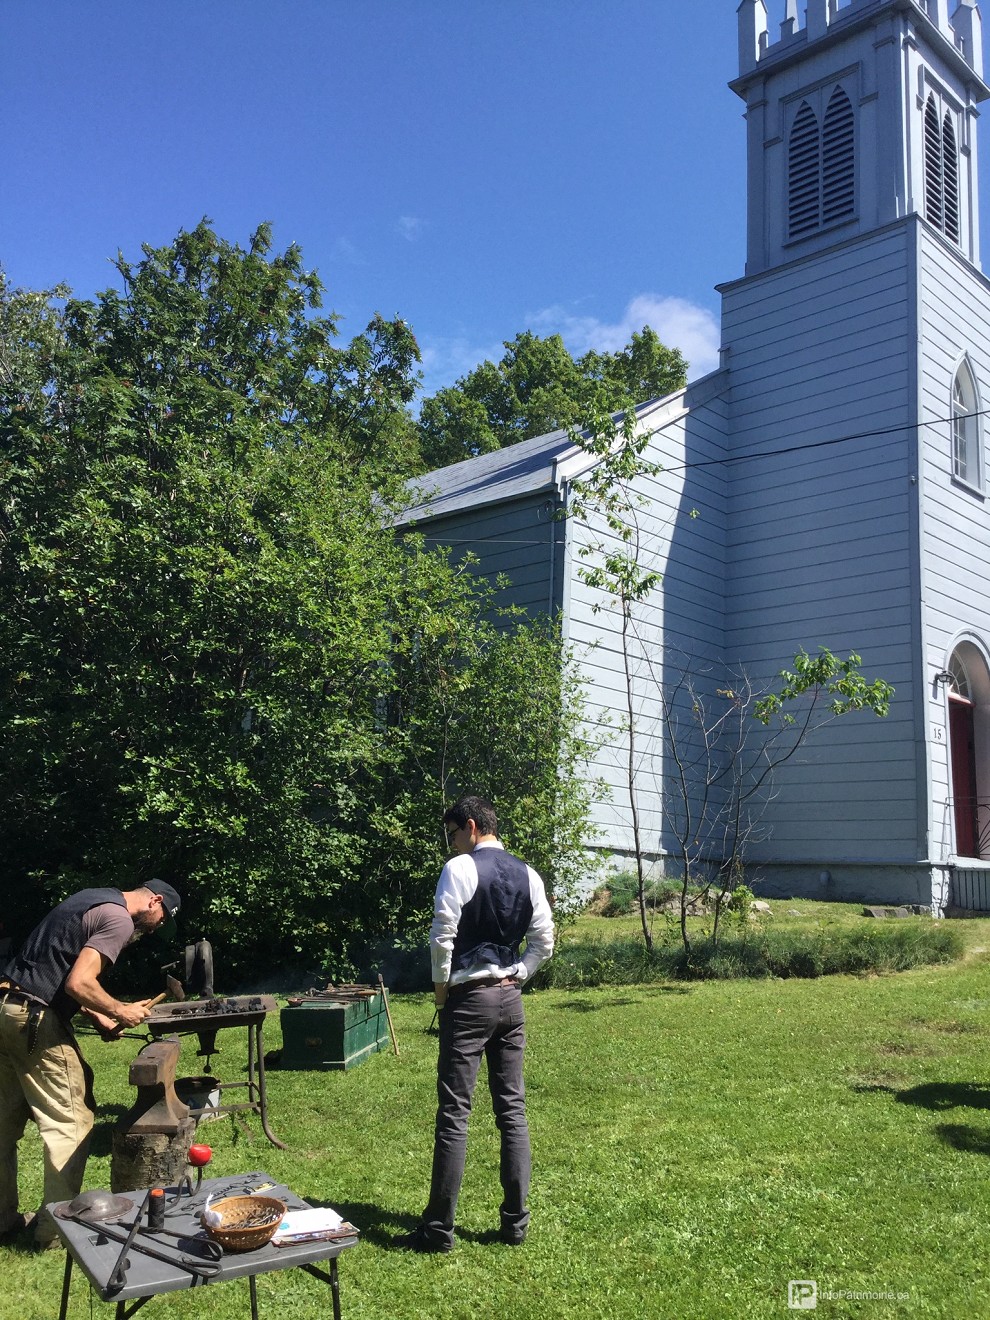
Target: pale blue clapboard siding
x=514, y=539
x=686, y=613
x=819, y=541
x=955, y=524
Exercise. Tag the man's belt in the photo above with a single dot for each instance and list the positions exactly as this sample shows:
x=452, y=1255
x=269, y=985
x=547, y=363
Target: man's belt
x=36, y=1011
x=485, y=982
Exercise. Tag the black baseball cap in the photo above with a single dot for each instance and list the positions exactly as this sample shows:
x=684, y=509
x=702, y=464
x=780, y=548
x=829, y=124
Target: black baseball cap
x=170, y=898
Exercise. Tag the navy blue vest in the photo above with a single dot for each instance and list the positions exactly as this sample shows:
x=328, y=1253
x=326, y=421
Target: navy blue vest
x=497, y=916
x=48, y=953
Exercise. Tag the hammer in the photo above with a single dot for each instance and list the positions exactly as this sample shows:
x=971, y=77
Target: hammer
x=118, y=1030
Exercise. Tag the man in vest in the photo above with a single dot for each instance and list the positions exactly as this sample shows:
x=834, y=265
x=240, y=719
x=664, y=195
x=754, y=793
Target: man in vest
x=42, y=1073
x=487, y=903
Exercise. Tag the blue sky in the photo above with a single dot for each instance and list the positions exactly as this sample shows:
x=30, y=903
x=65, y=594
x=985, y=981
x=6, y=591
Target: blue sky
x=479, y=167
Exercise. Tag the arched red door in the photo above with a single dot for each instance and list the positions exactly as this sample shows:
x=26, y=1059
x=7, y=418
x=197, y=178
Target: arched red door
x=962, y=744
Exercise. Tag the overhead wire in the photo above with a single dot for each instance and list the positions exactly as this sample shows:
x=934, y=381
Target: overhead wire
x=731, y=458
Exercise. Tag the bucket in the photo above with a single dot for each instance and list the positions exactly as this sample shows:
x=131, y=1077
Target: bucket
x=201, y=1094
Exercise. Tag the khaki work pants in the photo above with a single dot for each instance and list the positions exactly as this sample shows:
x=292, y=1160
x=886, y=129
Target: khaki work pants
x=53, y=1086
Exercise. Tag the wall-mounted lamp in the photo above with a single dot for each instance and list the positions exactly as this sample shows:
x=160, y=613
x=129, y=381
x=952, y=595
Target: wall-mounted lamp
x=943, y=676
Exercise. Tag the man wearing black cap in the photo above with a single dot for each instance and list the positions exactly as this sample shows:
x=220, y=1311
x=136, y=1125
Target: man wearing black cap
x=42, y=1072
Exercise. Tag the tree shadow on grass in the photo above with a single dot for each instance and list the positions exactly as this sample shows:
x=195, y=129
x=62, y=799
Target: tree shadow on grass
x=575, y=1005
x=946, y=1095
x=973, y=1141
x=938, y=1097
x=935, y=1096
x=589, y=1006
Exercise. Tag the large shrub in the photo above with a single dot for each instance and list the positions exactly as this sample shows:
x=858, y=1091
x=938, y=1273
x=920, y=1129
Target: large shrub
x=217, y=663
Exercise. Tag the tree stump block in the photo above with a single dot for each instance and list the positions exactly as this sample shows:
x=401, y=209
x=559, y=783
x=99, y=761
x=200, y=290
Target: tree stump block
x=151, y=1141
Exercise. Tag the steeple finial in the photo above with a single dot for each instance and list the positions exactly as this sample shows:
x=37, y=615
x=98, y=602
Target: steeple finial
x=790, y=23
x=753, y=35
x=816, y=18
x=967, y=23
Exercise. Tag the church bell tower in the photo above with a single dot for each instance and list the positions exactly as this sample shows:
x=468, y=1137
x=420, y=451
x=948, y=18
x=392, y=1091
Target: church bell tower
x=858, y=347
x=861, y=116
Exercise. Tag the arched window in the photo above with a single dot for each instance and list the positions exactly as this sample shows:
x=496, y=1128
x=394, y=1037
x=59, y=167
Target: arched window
x=959, y=684
x=821, y=175
x=941, y=171
x=967, y=462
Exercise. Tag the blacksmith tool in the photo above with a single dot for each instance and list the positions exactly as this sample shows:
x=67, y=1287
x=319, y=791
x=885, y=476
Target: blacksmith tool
x=119, y=1271
x=117, y=1032
x=211, y=1249
x=95, y=1207
x=205, y=1269
x=433, y=1029
x=388, y=1014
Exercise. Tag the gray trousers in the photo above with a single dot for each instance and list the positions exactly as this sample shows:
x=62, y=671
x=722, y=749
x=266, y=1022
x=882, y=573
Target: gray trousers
x=476, y=1021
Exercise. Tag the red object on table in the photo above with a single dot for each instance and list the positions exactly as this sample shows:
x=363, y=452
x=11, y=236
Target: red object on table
x=200, y=1155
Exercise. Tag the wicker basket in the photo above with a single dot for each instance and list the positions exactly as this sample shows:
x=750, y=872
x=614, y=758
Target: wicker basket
x=239, y=1228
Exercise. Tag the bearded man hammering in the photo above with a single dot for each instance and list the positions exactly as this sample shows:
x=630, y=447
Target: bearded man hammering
x=42, y=1072
x=487, y=903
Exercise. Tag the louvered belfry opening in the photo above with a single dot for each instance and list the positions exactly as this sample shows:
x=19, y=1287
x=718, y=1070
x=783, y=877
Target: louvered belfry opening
x=941, y=172
x=804, y=173
x=838, y=175
x=950, y=177
x=934, y=203
x=821, y=166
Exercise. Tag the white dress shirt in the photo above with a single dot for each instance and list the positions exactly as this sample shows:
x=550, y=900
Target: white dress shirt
x=456, y=886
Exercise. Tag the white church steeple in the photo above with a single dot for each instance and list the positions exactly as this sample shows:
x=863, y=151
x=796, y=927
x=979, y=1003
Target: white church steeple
x=863, y=115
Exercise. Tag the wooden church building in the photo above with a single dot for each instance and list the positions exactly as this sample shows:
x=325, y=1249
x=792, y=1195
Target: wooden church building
x=826, y=486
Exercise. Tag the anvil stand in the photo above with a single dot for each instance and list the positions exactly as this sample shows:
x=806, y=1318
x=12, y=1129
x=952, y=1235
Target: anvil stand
x=183, y=1019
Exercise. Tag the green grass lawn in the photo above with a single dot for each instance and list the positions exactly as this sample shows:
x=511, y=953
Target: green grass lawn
x=696, y=1146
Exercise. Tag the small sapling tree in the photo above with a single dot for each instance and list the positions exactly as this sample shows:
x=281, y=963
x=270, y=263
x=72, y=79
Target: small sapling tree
x=710, y=743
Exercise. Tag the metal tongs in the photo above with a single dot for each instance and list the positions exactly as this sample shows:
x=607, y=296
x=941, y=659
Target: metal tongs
x=204, y=1269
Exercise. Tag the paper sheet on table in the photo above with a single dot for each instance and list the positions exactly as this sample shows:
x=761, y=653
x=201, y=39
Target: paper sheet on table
x=320, y=1222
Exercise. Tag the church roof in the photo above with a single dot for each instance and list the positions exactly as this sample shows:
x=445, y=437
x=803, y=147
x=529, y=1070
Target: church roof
x=541, y=463
x=504, y=474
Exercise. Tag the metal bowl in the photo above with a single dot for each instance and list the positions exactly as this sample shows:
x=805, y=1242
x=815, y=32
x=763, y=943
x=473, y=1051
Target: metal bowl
x=95, y=1207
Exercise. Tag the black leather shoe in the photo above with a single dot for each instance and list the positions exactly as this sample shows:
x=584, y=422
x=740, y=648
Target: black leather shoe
x=418, y=1240
x=511, y=1239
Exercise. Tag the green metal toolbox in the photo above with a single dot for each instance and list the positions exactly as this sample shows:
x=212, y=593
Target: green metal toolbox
x=337, y=1028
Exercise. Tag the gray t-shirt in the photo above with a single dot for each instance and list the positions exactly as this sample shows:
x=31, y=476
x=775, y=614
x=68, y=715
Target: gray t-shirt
x=107, y=928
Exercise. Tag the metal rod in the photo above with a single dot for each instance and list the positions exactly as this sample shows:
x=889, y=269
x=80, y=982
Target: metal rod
x=388, y=1014
x=204, y=1268
x=119, y=1272
x=262, y=1095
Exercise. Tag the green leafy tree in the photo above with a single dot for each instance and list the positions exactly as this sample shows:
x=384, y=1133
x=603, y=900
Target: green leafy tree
x=202, y=600
x=537, y=387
